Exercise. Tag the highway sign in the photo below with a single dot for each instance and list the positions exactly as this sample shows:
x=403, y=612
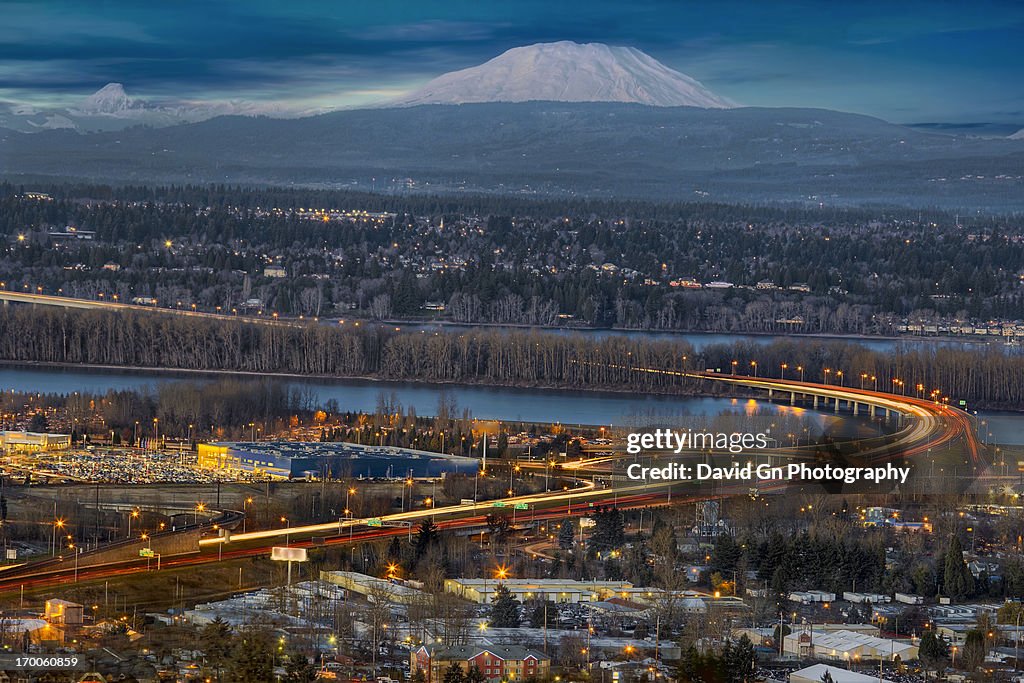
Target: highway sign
x=146, y=552
x=522, y=506
x=288, y=554
x=498, y=504
x=374, y=522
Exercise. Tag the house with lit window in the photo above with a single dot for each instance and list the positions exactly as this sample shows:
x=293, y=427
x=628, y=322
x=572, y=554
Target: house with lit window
x=497, y=663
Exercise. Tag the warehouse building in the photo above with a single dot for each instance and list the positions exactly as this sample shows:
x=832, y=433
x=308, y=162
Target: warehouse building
x=481, y=591
x=315, y=460
x=846, y=646
x=33, y=442
x=815, y=674
x=369, y=586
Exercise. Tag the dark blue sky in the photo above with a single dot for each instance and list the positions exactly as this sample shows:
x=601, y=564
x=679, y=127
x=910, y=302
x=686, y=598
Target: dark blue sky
x=903, y=61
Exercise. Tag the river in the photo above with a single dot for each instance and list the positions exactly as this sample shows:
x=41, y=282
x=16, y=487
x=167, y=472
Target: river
x=483, y=402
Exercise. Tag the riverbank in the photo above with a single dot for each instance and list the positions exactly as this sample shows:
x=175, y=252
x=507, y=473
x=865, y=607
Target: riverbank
x=686, y=335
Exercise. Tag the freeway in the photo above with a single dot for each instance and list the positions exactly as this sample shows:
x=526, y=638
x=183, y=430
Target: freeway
x=931, y=425
x=120, y=307
x=935, y=424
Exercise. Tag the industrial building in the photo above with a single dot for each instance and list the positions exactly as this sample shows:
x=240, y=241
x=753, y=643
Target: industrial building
x=369, y=586
x=33, y=442
x=846, y=646
x=481, y=591
x=313, y=459
x=64, y=612
x=815, y=674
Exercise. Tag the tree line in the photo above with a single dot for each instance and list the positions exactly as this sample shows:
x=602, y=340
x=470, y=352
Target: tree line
x=989, y=378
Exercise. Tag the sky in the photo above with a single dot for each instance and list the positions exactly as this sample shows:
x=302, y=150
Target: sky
x=907, y=62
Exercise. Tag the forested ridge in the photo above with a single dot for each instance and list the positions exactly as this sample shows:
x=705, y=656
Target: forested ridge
x=501, y=260
x=511, y=358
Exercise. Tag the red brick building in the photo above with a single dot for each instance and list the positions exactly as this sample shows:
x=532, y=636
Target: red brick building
x=497, y=663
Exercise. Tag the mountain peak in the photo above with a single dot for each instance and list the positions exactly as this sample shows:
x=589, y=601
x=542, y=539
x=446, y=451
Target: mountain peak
x=568, y=72
x=110, y=99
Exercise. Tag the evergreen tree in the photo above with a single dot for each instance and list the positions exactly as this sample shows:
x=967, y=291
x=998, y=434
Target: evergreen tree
x=298, y=669
x=216, y=639
x=957, y=581
x=504, y=609
x=740, y=660
x=454, y=674
x=932, y=650
x=566, y=535
x=475, y=675
x=251, y=659
x=537, y=614
x=426, y=536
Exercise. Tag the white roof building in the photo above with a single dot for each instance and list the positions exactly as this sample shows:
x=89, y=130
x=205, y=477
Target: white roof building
x=813, y=674
x=846, y=646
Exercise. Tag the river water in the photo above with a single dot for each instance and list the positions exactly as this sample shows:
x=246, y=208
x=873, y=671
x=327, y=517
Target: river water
x=482, y=402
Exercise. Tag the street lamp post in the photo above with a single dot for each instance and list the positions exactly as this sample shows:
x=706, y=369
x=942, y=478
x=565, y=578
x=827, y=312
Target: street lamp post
x=348, y=493
x=245, y=515
x=57, y=524
x=134, y=514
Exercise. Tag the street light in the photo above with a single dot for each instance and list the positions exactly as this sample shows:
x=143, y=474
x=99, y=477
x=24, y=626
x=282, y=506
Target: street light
x=784, y=366
x=57, y=524
x=350, y=492
x=133, y=515
x=245, y=504
x=287, y=525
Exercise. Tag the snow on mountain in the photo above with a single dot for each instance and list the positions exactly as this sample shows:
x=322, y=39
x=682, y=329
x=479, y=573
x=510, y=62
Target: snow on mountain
x=568, y=72
x=110, y=99
x=111, y=108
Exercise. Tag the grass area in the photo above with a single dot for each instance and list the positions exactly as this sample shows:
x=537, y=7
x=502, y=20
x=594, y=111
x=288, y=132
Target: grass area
x=155, y=591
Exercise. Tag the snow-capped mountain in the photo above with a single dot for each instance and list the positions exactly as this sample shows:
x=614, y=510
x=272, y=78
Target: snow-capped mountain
x=111, y=108
x=568, y=72
x=110, y=99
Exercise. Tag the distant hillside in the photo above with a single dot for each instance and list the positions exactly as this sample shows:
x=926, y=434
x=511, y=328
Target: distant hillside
x=559, y=149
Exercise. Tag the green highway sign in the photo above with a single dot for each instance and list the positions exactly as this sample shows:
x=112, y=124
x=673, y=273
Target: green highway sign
x=522, y=506
x=374, y=522
x=963, y=402
x=498, y=504
x=146, y=552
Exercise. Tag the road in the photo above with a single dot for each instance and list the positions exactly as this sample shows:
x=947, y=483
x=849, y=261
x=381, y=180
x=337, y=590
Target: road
x=119, y=307
x=934, y=425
